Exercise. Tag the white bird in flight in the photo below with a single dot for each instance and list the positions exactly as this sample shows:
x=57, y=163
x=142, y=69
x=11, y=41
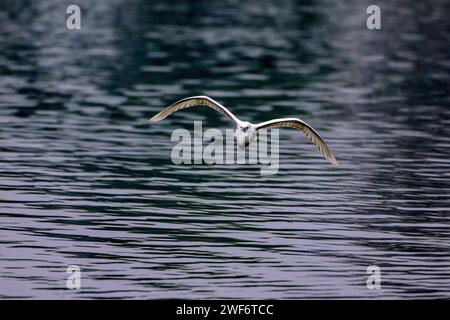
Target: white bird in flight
x=245, y=131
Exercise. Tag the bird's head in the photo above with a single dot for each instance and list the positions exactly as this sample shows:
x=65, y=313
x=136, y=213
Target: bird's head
x=245, y=126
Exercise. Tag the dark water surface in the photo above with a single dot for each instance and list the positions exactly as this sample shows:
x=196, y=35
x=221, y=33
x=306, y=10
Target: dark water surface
x=85, y=180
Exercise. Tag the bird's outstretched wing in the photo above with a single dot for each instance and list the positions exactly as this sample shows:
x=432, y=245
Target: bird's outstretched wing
x=310, y=133
x=190, y=102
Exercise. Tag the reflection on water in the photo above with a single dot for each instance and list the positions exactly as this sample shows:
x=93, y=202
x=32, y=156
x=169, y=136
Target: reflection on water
x=85, y=179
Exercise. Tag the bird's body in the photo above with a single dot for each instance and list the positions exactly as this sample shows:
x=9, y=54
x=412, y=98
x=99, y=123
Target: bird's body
x=245, y=131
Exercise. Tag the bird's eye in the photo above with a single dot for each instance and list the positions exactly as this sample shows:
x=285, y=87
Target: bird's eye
x=245, y=129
